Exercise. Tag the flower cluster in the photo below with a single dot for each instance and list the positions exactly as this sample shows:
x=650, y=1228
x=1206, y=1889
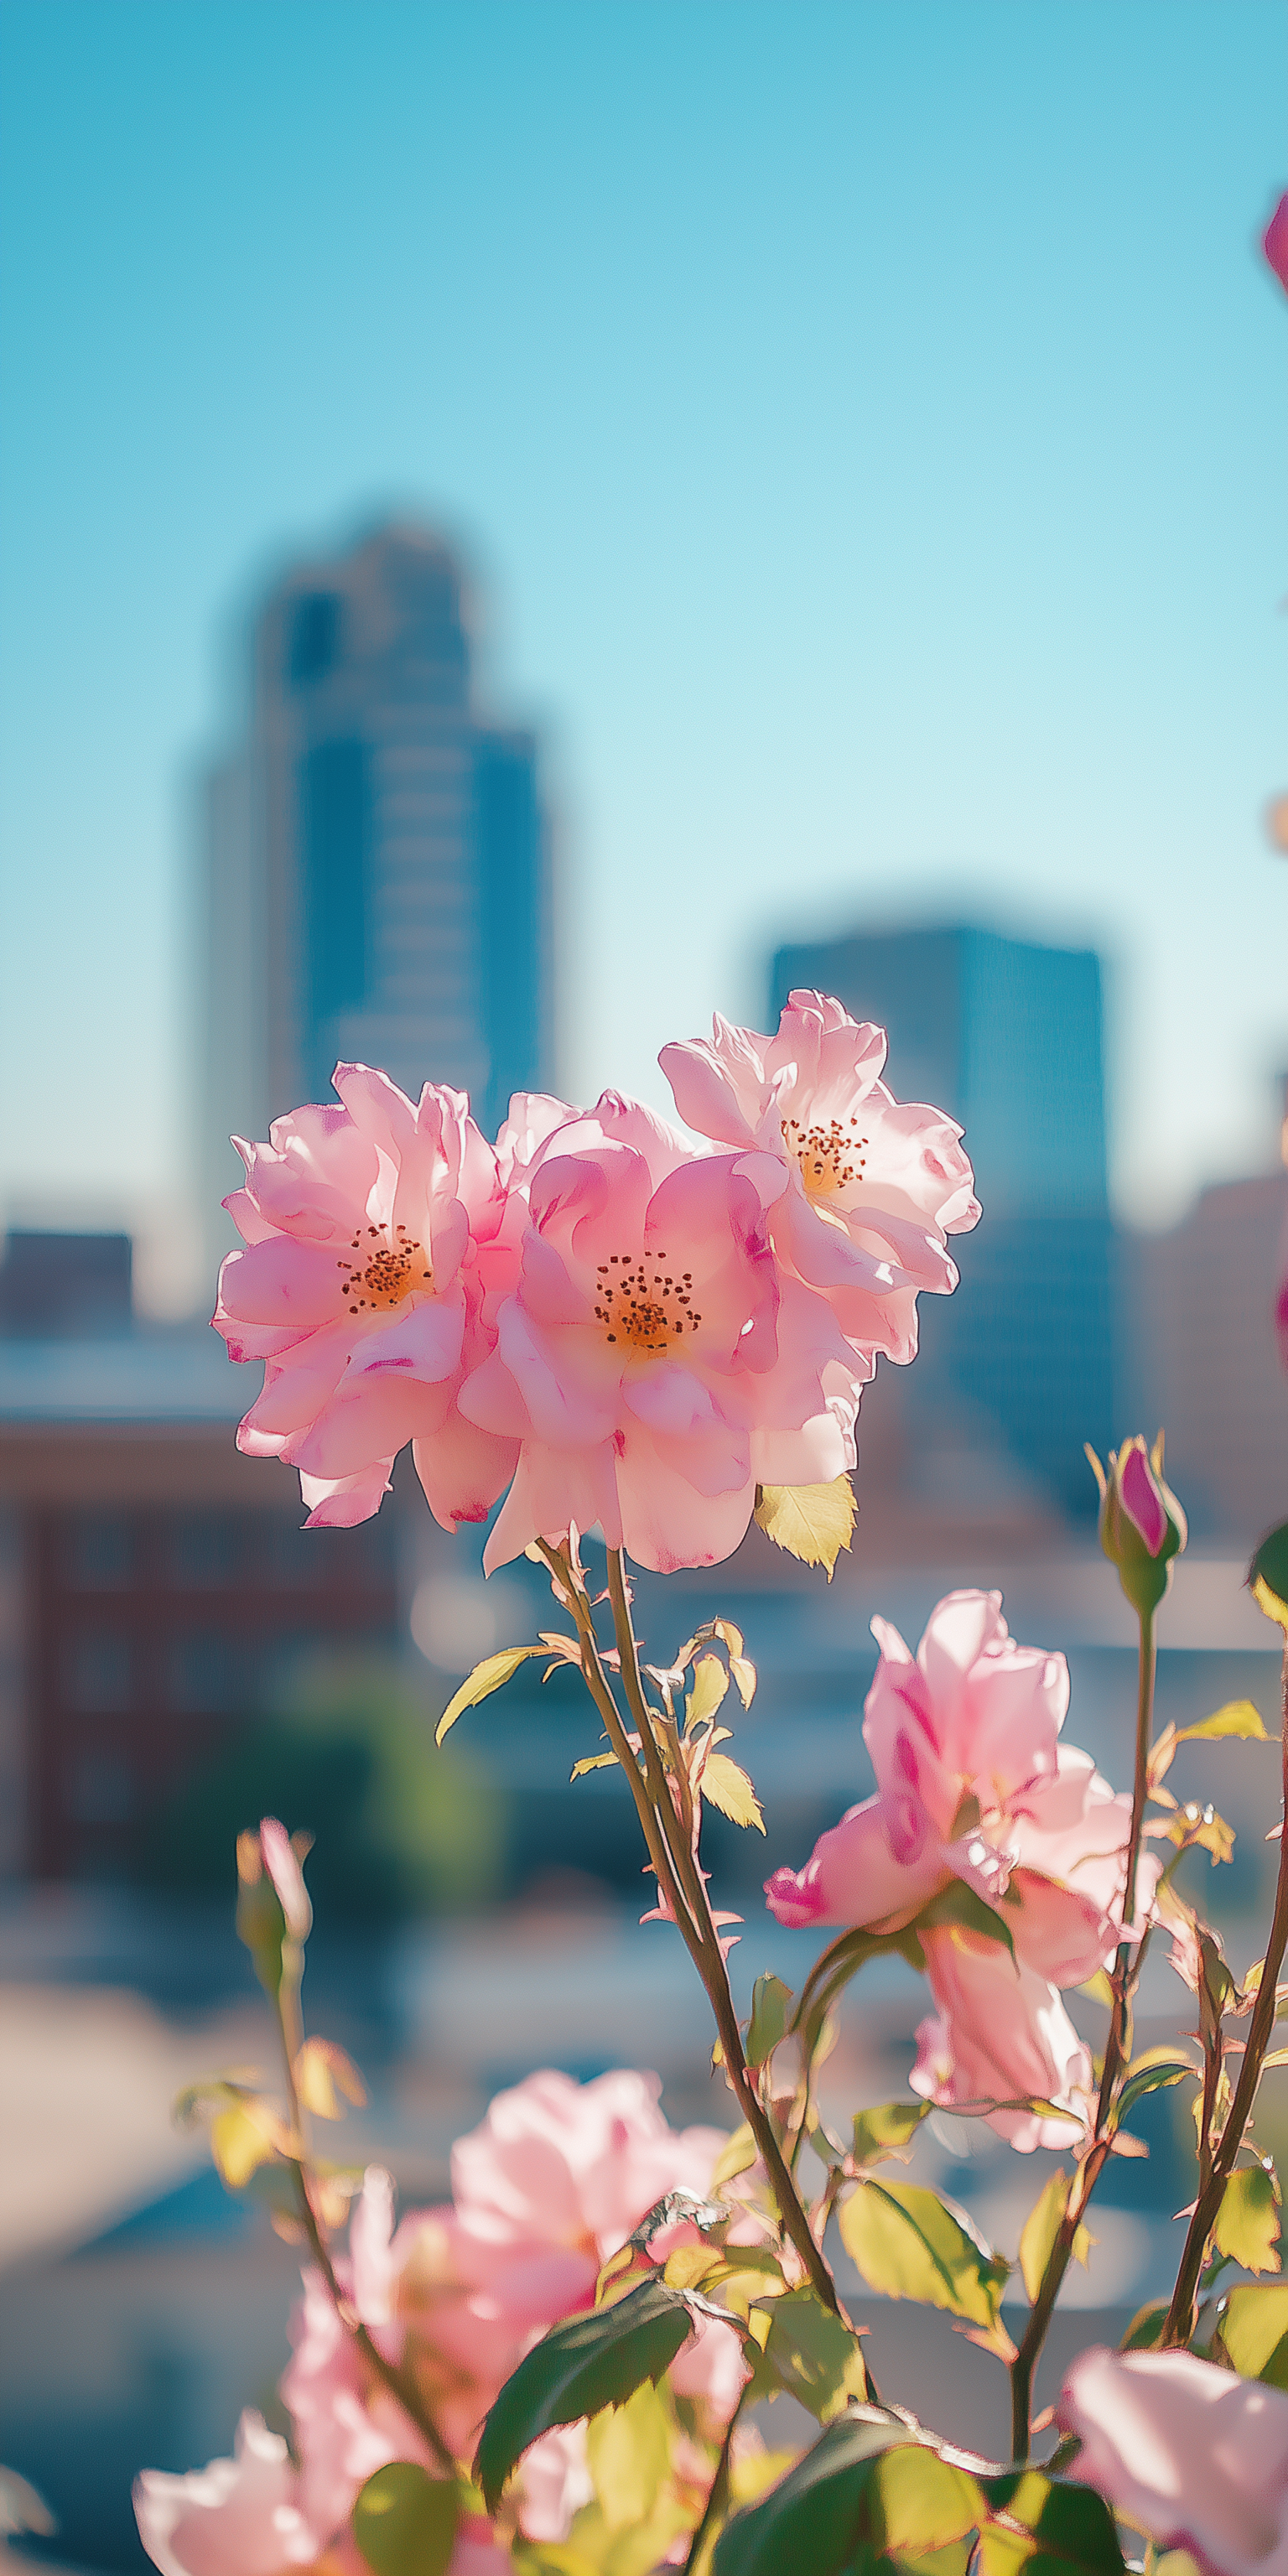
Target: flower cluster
x=624, y=1324
x=544, y=2191
x=974, y=1787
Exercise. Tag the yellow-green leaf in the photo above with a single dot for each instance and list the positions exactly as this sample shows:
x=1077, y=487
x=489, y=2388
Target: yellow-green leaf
x=240, y=2140
x=1041, y=2228
x=1238, y=1717
x=1200, y=1828
x=726, y=1785
x=909, y=2244
x=628, y=2450
x=812, y=1522
x=1254, y=2331
x=322, y=2070
x=735, y=2157
x=1098, y=1989
x=743, y=1675
x=1247, y=2227
x=885, y=2129
x=592, y=1762
x=489, y=1676
x=710, y=1682
x=817, y=2358
x=921, y=2502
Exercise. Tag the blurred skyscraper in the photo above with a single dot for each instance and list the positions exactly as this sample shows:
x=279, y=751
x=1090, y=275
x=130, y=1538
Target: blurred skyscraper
x=1007, y=1036
x=377, y=874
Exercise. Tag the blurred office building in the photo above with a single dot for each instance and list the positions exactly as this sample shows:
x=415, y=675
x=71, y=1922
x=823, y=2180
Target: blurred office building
x=1065, y=1328
x=1204, y=1354
x=1017, y=1368
x=157, y=1591
x=377, y=864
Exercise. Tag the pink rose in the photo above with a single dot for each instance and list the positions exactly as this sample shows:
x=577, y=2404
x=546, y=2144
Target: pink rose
x=651, y=1363
x=553, y=2181
x=359, y=1290
x=238, y=2517
x=1196, y=2456
x=973, y=1783
x=1001, y=2034
x=874, y=1186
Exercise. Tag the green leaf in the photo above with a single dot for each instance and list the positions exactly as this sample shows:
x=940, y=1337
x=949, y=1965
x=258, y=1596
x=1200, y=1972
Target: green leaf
x=813, y=1522
x=486, y=1677
x=1145, y=2331
x=404, y=2521
x=885, y=2129
x=865, y=2489
x=1063, y=2529
x=1147, y=2079
x=960, y=1905
x=908, y=2244
x=771, y=2013
x=628, y=2449
x=585, y=2363
x=1247, y=2227
x=726, y=1786
x=1268, y=1575
x=1041, y=2228
x=1254, y=2331
x=817, y=2358
x=1238, y=1717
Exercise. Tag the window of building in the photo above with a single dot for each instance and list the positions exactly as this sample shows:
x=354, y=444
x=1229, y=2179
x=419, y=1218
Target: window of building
x=313, y=637
x=204, y=1549
x=99, y=1673
x=207, y=1673
x=100, y=1550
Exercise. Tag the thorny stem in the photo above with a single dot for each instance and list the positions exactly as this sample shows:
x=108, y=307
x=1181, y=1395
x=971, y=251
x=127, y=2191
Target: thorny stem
x=703, y=1942
x=1126, y=1971
x=398, y=2381
x=1181, y=2314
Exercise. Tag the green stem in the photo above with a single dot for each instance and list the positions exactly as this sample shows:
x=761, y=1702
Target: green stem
x=717, y=2494
x=703, y=1943
x=397, y=2380
x=1181, y=2315
x=1126, y=1970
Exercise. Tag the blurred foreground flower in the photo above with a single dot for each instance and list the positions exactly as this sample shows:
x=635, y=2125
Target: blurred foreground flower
x=1196, y=2456
x=547, y=2188
x=1275, y=241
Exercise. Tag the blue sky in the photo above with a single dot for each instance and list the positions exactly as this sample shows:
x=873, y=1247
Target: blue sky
x=867, y=422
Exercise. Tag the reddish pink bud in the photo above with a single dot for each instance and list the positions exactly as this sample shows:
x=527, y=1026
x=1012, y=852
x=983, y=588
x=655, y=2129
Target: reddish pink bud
x=1275, y=244
x=1141, y=1499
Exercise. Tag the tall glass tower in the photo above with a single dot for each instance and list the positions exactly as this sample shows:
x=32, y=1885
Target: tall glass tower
x=377, y=871
x=1008, y=1037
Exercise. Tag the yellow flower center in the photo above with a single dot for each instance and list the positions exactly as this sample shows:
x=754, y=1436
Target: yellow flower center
x=386, y=1271
x=830, y=1157
x=648, y=1310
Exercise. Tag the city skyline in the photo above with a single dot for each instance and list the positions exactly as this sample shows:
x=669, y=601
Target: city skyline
x=881, y=496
